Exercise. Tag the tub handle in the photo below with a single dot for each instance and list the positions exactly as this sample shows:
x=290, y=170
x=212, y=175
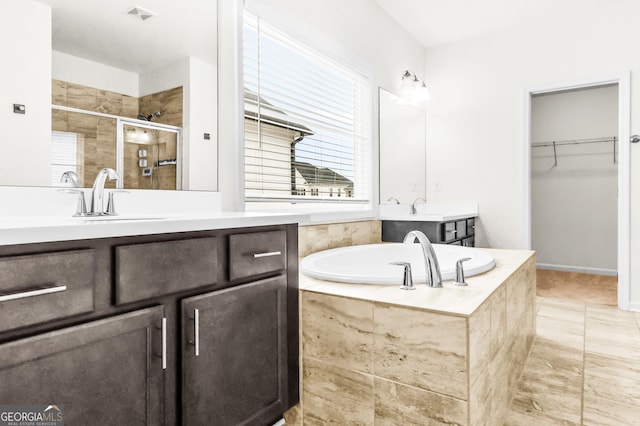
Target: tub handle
x=407, y=278
x=460, y=272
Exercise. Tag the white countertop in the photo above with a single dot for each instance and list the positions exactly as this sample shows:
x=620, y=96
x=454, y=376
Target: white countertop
x=430, y=212
x=41, y=214
x=38, y=229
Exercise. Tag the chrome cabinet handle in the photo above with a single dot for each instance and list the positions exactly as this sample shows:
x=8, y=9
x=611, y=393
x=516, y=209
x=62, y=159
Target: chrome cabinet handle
x=31, y=293
x=453, y=231
x=164, y=343
x=266, y=254
x=196, y=326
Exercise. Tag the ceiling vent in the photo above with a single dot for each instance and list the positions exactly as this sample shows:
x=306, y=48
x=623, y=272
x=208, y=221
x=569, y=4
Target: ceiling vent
x=140, y=13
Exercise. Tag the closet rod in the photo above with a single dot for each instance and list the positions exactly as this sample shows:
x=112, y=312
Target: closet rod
x=554, y=144
x=575, y=141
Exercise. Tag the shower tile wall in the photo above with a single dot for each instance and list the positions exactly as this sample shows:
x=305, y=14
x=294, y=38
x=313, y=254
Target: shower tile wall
x=169, y=103
x=97, y=136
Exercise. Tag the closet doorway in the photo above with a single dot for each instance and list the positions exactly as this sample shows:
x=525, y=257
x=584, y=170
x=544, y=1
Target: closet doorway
x=577, y=159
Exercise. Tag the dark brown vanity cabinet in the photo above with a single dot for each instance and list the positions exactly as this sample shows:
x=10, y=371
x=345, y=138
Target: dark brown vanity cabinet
x=235, y=354
x=194, y=328
x=105, y=372
x=459, y=232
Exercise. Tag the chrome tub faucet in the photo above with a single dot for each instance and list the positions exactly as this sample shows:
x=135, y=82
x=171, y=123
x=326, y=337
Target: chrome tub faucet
x=431, y=265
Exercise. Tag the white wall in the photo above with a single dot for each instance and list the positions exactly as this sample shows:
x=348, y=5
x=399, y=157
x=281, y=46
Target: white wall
x=475, y=122
x=574, y=204
x=165, y=78
x=71, y=68
x=202, y=118
x=25, y=78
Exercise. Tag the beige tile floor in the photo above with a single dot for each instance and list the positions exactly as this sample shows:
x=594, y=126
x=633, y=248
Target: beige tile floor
x=583, y=369
x=589, y=288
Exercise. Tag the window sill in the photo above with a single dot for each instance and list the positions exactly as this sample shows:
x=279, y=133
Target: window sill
x=319, y=213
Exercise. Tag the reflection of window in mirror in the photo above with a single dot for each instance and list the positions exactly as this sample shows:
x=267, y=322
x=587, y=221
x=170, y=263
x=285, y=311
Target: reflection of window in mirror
x=64, y=155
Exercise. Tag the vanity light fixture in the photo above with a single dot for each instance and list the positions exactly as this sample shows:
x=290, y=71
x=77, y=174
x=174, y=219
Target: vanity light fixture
x=413, y=88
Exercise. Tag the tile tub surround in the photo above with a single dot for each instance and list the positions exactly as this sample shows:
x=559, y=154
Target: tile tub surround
x=379, y=355
x=314, y=238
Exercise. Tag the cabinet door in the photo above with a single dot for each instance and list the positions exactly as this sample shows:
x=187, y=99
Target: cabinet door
x=106, y=372
x=235, y=355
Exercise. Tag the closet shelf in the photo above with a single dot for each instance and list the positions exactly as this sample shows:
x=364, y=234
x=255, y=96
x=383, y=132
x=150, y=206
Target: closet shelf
x=554, y=144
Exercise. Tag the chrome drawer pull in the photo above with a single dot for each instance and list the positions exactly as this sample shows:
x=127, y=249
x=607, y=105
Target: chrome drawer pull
x=164, y=343
x=453, y=231
x=196, y=326
x=267, y=254
x=32, y=293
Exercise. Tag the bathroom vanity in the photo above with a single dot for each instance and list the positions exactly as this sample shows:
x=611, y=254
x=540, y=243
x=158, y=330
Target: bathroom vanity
x=460, y=232
x=195, y=325
x=442, y=223
x=376, y=354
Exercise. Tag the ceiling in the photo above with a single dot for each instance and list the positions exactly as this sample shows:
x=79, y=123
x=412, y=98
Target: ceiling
x=435, y=22
x=102, y=31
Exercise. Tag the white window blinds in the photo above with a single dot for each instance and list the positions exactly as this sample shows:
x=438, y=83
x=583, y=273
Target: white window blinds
x=307, y=122
x=63, y=154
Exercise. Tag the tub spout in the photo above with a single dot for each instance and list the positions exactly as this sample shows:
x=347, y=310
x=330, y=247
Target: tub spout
x=432, y=268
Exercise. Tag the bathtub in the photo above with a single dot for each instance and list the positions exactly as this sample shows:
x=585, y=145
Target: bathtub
x=370, y=263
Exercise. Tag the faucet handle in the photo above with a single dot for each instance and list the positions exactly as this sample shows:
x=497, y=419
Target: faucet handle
x=81, y=206
x=111, y=208
x=407, y=278
x=460, y=272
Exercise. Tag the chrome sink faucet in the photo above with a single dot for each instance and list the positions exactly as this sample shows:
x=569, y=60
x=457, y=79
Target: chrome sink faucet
x=97, y=192
x=70, y=177
x=412, y=209
x=432, y=268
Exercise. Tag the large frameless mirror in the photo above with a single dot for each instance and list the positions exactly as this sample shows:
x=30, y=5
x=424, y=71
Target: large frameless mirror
x=403, y=161
x=133, y=88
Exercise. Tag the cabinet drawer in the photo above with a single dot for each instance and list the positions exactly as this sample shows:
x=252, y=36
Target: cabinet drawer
x=42, y=287
x=461, y=227
x=257, y=253
x=449, y=231
x=144, y=271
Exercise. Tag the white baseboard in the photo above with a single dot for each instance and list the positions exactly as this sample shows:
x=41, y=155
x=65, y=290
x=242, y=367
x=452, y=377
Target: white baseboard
x=634, y=306
x=583, y=269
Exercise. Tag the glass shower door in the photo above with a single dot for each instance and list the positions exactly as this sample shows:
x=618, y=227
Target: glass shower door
x=150, y=156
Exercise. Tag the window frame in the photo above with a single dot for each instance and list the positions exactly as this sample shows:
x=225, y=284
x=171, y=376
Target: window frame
x=342, y=206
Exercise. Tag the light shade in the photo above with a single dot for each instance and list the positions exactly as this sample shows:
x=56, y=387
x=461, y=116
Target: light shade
x=413, y=88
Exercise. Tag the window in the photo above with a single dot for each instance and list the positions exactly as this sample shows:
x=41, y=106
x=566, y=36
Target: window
x=307, y=122
x=64, y=155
